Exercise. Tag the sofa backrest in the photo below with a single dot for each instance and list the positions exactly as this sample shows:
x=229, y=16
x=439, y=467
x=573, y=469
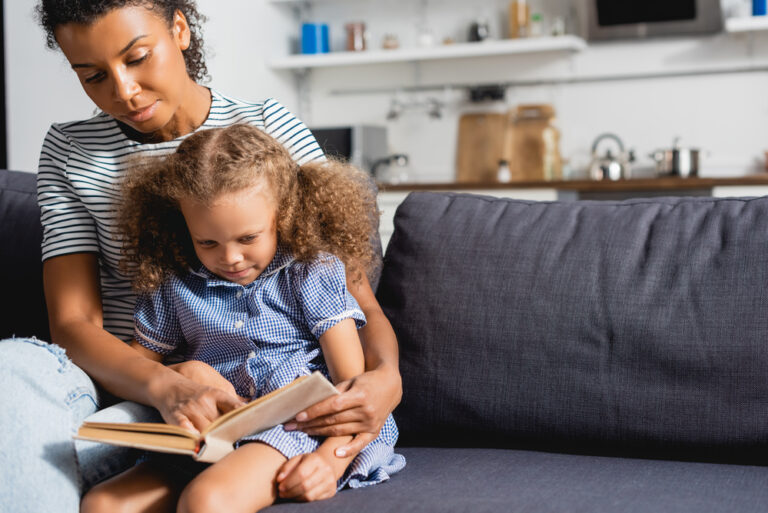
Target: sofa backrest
x=23, y=313
x=639, y=325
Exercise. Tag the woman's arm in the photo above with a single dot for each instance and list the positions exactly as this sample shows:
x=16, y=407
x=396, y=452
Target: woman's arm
x=73, y=298
x=366, y=400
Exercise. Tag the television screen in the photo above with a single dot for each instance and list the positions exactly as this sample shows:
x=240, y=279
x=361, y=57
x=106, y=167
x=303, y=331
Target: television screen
x=612, y=12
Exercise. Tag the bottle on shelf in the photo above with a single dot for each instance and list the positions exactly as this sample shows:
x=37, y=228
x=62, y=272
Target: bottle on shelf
x=504, y=175
x=537, y=25
x=519, y=18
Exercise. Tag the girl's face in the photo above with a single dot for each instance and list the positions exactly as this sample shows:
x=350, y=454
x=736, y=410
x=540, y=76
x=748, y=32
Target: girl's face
x=130, y=63
x=235, y=237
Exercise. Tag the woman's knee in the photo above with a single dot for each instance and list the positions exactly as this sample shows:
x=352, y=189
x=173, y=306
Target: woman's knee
x=23, y=353
x=35, y=374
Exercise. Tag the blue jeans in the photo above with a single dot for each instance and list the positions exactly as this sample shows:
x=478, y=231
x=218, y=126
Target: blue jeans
x=44, y=398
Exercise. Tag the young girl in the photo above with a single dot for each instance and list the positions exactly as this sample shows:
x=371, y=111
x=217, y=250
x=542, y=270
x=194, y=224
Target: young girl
x=240, y=255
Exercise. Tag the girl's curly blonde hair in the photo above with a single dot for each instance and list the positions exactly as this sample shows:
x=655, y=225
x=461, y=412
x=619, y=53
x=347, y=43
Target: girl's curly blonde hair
x=321, y=206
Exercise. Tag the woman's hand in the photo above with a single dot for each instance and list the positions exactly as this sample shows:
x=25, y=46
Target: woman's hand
x=203, y=374
x=306, y=477
x=193, y=406
x=361, y=410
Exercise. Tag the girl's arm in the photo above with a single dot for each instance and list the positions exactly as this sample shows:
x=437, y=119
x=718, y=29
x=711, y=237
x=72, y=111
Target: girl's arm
x=368, y=399
x=73, y=298
x=313, y=476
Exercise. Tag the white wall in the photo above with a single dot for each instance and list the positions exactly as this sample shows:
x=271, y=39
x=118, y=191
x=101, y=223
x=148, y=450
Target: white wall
x=726, y=115
x=41, y=88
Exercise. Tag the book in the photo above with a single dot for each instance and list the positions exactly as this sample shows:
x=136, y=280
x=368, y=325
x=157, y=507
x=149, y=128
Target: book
x=218, y=439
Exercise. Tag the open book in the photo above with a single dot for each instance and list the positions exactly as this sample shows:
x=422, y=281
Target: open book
x=217, y=440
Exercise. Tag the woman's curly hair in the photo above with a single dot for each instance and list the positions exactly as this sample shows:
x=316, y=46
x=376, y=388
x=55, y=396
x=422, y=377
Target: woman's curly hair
x=321, y=206
x=53, y=13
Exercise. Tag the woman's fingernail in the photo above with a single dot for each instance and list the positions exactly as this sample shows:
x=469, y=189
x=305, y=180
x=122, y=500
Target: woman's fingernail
x=301, y=417
x=290, y=426
x=341, y=452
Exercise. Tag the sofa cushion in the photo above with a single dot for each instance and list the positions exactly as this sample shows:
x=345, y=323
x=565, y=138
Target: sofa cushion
x=500, y=481
x=639, y=325
x=24, y=313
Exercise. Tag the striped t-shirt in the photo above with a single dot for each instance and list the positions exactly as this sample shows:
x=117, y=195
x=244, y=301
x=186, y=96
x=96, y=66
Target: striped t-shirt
x=82, y=164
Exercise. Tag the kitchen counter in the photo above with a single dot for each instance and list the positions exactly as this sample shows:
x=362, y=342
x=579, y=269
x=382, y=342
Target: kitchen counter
x=390, y=196
x=665, y=184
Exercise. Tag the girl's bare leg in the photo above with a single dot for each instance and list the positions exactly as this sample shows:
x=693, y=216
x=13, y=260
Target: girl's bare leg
x=141, y=489
x=242, y=482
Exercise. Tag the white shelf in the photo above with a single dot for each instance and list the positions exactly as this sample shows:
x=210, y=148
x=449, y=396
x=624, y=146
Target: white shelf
x=301, y=2
x=452, y=51
x=750, y=24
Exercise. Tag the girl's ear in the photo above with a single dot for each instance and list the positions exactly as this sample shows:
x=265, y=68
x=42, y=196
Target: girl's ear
x=180, y=30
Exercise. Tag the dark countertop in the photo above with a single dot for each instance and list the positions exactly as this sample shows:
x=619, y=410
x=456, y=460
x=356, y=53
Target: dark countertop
x=637, y=184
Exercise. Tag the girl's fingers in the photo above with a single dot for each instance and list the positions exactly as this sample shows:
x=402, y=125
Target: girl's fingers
x=321, y=491
x=305, y=489
x=288, y=467
x=299, y=479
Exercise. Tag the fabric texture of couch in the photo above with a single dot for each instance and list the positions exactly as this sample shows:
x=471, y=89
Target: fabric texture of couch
x=556, y=357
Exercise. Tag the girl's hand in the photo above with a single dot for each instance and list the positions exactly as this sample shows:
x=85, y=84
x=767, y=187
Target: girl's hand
x=193, y=406
x=306, y=477
x=361, y=410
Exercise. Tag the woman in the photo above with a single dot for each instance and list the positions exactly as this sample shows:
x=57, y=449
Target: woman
x=140, y=62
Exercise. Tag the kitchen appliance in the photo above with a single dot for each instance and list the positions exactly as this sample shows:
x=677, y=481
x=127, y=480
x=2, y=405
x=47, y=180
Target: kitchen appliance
x=392, y=169
x=612, y=19
x=609, y=166
x=360, y=145
x=677, y=161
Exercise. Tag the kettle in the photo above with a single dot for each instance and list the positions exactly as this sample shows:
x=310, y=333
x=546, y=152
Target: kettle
x=392, y=169
x=608, y=166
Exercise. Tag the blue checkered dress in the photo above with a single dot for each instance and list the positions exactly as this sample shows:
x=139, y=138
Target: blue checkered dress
x=262, y=336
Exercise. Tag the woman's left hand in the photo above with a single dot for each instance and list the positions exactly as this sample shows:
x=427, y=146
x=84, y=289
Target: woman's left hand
x=306, y=477
x=361, y=409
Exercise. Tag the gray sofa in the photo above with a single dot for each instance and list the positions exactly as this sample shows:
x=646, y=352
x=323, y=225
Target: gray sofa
x=556, y=357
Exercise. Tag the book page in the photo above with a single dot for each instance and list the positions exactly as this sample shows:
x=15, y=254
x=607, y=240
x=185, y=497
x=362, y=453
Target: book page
x=272, y=409
x=142, y=427
x=142, y=440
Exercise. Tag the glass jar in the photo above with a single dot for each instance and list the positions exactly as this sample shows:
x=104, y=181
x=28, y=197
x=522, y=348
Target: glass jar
x=355, y=36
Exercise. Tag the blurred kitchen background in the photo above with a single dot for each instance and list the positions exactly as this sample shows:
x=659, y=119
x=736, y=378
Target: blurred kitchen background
x=452, y=88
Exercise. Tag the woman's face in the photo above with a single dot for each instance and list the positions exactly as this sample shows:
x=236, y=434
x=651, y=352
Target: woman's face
x=130, y=64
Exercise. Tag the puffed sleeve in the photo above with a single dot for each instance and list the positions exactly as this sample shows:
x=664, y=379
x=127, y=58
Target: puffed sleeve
x=325, y=300
x=291, y=132
x=157, y=326
x=68, y=226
